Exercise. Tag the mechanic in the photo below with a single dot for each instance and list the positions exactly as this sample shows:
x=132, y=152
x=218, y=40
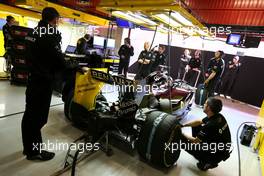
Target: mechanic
x=230, y=76
x=125, y=52
x=213, y=130
x=83, y=44
x=184, y=60
x=47, y=59
x=214, y=72
x=144, y=62
x=10, y=21
x=193, y=68
x=159, y=58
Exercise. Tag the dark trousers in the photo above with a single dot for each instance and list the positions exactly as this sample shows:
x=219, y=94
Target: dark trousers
x=143, y=71
x=154, y=67
x=123, y=66
x=227, y=86
x=38, y=98
x=201, y=155
x=8, y=61
x=210, y=90
x=212, y=86
x=181, y=72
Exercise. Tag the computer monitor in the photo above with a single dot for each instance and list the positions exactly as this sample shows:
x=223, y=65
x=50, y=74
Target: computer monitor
x=234, y=39
x=70, y=49
x=110, y=44
x=252, y=42
x=124, y=24
x=98, y=42
x=2, y=23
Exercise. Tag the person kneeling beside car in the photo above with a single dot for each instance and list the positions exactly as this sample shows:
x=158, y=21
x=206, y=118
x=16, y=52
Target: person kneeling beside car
x=210, y=142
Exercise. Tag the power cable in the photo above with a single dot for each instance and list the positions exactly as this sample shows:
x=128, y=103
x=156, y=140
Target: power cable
x=21, y=112
x=238, y=148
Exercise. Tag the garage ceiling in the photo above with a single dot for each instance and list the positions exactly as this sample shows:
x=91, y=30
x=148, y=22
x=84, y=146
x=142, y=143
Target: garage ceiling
x=223, y=12
x=88, y=6
x=229, y=12
x=241, y=15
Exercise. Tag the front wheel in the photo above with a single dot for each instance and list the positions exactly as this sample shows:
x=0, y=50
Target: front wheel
x=67, y=105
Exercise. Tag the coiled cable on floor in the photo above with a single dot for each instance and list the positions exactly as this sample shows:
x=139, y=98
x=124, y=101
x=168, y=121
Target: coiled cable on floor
x=21, y=112
x=238, y=149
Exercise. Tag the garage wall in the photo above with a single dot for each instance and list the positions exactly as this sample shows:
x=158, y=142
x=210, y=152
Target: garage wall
x=138, y=37
x=250, y=82
x=249, y=85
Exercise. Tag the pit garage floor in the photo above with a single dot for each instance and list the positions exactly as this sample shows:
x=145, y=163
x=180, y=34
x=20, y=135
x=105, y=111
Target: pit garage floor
x=59, y=129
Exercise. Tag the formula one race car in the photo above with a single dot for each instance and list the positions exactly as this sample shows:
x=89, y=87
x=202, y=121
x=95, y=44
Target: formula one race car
x=174, y=96
x=160, y=77
x=146, y=127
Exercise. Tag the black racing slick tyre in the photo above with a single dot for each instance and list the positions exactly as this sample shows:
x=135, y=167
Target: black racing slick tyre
x=67, y=104
x=101, y=98
x=80, y=116
x=158, y=134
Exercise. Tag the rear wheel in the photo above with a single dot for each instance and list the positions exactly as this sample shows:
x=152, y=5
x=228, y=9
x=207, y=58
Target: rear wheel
x=72, y=109
x=156, y=138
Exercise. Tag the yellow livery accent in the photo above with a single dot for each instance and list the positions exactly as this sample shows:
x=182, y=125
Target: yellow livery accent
x=87, y=89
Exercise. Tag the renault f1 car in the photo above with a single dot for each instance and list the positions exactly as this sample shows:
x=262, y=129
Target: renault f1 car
x=147, y=127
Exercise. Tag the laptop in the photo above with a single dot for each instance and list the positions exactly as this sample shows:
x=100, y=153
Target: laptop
x=70, y=49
